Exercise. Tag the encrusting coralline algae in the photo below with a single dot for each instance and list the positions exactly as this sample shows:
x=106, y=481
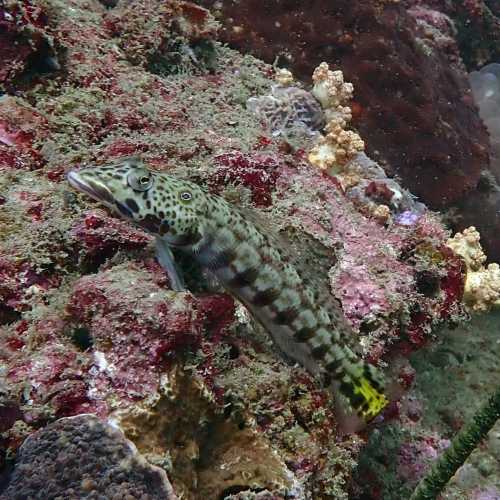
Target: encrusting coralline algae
x=89, y=322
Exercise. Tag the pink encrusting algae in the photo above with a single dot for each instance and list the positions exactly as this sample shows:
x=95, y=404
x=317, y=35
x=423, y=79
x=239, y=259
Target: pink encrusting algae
x=88, y=320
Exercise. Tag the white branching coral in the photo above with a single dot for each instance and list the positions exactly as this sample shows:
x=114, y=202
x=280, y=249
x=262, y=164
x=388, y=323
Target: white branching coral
x=482, y=284
x=338, y=145
x=330, y=89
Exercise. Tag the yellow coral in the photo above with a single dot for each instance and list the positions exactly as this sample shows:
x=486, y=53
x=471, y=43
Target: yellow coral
x=284, y=77
x=335, y=149
x=338, y=145
x=482, y=284
x=329, y=87
x=382, y=213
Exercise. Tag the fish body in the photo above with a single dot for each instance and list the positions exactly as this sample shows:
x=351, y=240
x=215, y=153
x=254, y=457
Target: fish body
x=247, y=261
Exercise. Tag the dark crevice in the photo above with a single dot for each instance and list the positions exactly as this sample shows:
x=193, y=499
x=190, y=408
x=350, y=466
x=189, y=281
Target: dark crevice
x=233, y=490
x=234, y=352
x=428, y=284
x=91, y=263
x=109, y=4
x=8, y=315
x=40, y=64
x=82, y=338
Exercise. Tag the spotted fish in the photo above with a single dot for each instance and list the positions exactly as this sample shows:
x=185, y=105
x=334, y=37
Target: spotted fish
x=246, y=260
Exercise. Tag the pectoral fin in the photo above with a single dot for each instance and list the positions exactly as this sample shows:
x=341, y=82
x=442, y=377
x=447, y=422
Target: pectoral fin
x=166, y=259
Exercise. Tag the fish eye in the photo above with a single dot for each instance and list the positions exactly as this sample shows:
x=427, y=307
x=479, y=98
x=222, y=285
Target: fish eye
x=186, y=196
x=141, y=181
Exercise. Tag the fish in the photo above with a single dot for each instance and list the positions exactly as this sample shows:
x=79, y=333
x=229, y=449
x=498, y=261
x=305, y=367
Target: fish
x=250, y=264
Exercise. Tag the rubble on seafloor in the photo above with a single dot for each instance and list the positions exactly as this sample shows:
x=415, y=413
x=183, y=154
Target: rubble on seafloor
x=88, y=323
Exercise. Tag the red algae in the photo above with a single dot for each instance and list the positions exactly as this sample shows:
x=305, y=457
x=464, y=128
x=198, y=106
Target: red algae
x=100, y=235
x=135, y=334
x=23, y=35
x=257, y=172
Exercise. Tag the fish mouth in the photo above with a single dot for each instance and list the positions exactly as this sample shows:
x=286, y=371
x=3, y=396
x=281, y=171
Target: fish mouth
x=93, y=188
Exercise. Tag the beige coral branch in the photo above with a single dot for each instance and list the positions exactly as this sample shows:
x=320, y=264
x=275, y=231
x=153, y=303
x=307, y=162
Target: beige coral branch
x=482, y=284
x=338, y=146
x=330, y=88
x=335, y=149
x=284, y=77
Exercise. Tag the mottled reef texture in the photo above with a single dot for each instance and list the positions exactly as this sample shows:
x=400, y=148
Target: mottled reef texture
x=88, y=322
x=473, y=24
x=82, y=457
x=409, y=98
x=413, y=104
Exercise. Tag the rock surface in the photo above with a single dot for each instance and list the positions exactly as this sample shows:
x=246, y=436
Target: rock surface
x=88, y=322
x=82, y=457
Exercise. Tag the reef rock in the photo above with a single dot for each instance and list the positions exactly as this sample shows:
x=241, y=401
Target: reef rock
x=88, y=321
x=25, y=42
x=412, y=104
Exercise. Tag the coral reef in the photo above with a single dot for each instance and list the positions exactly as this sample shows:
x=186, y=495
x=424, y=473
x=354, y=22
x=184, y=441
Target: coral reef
x=338, y=145
x=88, y=322
x=82, y=457
x=481, y=208
x=411, y=103
x=472, y=27
x=160, y=36
x=25, y=42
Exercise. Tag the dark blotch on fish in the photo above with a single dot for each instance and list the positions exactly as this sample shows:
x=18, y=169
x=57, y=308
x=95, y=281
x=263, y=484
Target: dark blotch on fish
x=287, y=316
x=223, y=259
x=244, y=278
x=266, y=297
x=151, y=223
x=305, y=334
x=132, y=205
x=123, y=209
x=164, y=227
x=188, y=239
x=320, y=351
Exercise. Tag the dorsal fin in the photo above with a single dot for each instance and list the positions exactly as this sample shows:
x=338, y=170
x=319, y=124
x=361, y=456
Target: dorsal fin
x=268, y=228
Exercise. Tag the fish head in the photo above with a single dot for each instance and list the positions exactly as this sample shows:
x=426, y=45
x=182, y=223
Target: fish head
x=163, y=205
